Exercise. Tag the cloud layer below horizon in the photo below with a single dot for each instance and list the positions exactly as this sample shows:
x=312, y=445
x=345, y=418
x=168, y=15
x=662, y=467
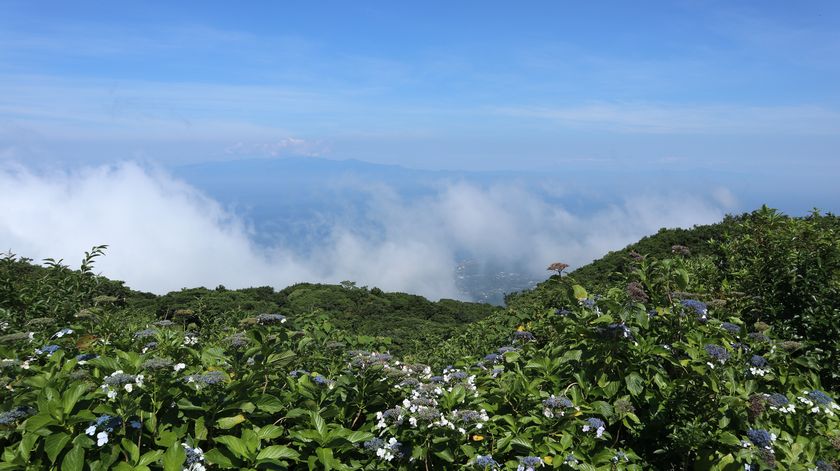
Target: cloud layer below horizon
x=164, y=235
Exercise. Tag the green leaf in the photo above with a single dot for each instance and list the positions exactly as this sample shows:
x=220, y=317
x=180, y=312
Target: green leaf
x=521, y=443
x=173, y=459
x=54, y=443
x=269, y=404
x=269, y=432
x=571, y=355
x=74, y=460
x=325, y=456
x=234, y=444
x=728, y=438
x=216, y=457
x=359, y=436
x=277, y=452
x=149, y=457
x=26, y=444
x=226, y=423
x=37, y=422
x=72, y=396
x=635, y=383
x=445, y=455
x=200, y=429
x=319, y=424
x=579, y=292
x=132, y=449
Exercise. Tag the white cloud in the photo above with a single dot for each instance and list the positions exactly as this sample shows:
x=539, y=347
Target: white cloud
x=279, y=148
x=165, y=235
x=654, y=118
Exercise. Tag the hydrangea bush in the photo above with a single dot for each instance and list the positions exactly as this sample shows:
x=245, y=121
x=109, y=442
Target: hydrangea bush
x=613, y=381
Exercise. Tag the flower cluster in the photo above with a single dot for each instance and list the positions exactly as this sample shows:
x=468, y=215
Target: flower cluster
x=62, y=333
x=818, y=401
x=486, y=463
x=323, y=381
x=105, y=425
x=207, y=379
x=271, y=319
x=237, y=340
x=523, y=336
x=717, y=353
x=556, y=406
x=145, y=333
x=733, y=329
x=120, y=380
x=190, y=339
x=156, y=364
x=363, y=360
x=758, y=366
x=595, y=424
x=617, y=330
x=700, y=308
x=195, y=458
x=761, y=438
x=16, y=414
x=636, y=292
x=779, y=402
x=529, y=463
x=386, y=450
x=48, y=349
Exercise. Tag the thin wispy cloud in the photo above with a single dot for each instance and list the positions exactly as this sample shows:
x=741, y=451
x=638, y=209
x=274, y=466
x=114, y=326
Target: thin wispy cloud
x=697, y=119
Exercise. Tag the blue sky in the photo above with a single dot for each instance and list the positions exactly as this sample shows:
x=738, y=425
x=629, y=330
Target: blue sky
x=478, y=85
x=619, y=118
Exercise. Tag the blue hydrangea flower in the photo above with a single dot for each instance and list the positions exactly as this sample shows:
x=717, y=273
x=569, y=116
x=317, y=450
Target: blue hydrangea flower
x=145, y=333
x=820, y=398
x=825, y=466
x=486, y=462
x=595, y=424
x=86, y=357
x=529, y=463
x=758, y=361
x=48, y=349
x=717, y=352
x=523, y=336
x=733, y=329
x=16, y=414
x=699, y=308
x=492, y=358
x=777, y=400
x=761, y=438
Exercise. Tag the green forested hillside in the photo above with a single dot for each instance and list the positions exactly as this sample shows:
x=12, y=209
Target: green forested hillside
x=720, y=357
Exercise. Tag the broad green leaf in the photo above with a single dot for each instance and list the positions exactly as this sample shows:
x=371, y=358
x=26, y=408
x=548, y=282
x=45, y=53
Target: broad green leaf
x=226, y=423
x=54, y=444
x=635, y=383
x=325, y=456
x=72, y=396
x=278, y=452
x=234, y=444
x=269, y=404
x=269, y=432
x=149, y=457
x=174, y=457
x=74, y=460
x=132, y=449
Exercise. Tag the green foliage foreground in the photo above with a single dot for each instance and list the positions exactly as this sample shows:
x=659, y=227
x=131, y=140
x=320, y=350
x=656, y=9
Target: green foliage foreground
x=644, y=376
